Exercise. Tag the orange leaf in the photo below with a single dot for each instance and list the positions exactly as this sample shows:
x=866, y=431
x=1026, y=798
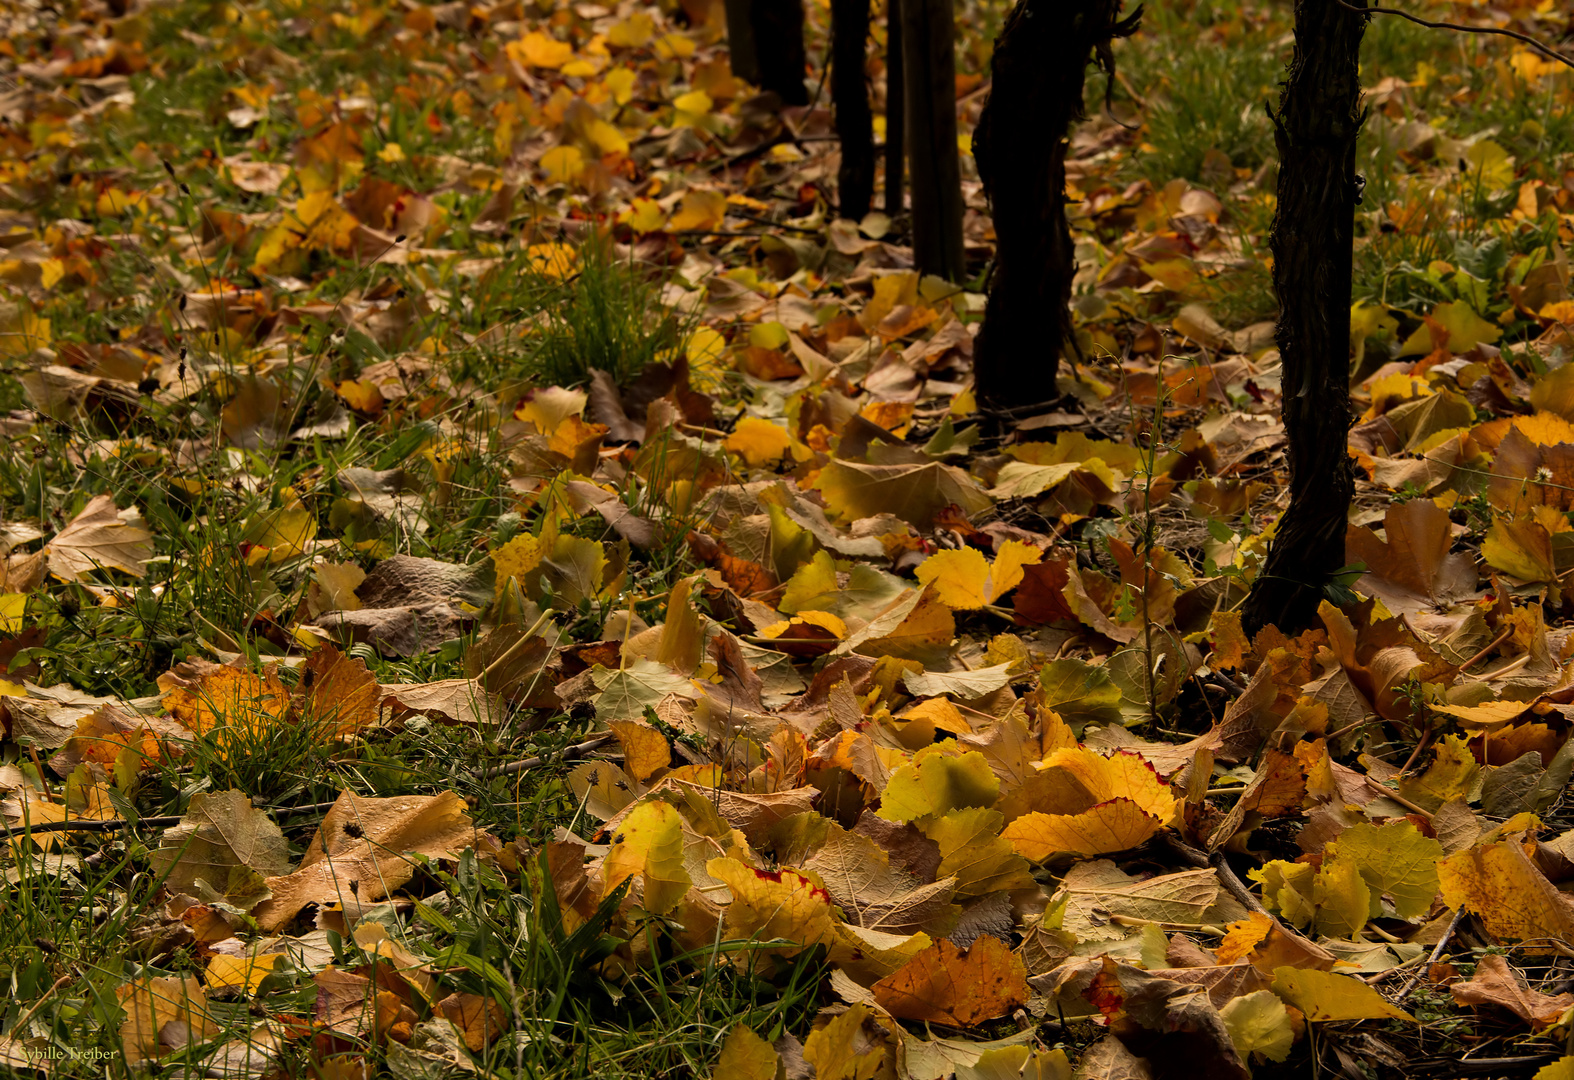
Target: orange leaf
x=944, y=985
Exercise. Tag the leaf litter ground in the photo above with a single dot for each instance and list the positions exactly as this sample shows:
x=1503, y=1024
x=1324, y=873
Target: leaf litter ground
x=407, y=401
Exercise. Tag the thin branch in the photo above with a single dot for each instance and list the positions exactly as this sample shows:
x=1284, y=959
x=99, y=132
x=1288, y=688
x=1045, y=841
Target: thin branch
x=1437, y=952
x=1544, y=50
x=577, y=750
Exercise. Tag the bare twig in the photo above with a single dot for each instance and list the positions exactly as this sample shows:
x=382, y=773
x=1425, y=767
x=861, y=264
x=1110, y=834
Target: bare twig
x=1543, y=49
x=1227, y=877
x=577, y=750
x=18, y=1029
x=1437, y=951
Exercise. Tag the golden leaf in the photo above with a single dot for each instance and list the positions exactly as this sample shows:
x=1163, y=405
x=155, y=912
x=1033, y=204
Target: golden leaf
x=1513, y=899
x=1323, y=995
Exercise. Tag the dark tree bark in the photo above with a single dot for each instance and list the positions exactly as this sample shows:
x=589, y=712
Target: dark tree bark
x=1036, y=93
x=741, y=52
x=895, y=113
x=1313, y=233
x=850, y=97
x=929, y=70
x=778, y=45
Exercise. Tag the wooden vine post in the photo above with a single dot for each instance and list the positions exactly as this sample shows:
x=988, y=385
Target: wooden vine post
x=1038, y=68
x=850, y=99
x=765, y=46
x=934, y=170
x=1312, y=242
x=895, y=114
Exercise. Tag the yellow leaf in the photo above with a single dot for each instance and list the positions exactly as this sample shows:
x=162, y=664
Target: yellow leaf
x=518, y=559
x=1464, y=327
x=562, y=164
x=1258, y=1023
x=1101, y=805
x=243, y=971
x=12, y=608
x=155, y=1005
x=973, y=851
x=960, y=578
x=1453, y=774
x=21, y=331
x=608, y=139
x=1342, y=898
x=540, y=50
x=649, y=842
x=1287, y=889
x=619, y=84
x=645, y=750
x=674, y=47
x=699, y=210
x=943, y=985
x=696, y=103
x=964, y=581
x=554, y=260
x=936, y=783
x=1395, y=860
x=646, y=216
x=1513, y=898
x=633, y=32
x=774, y=904
x=760, y=443
x=1491, y=166
x=229, y=697
x=744, y=1056
x=834, y=1051
x=1113, y=825
x=282, y=534
x=1322, y=995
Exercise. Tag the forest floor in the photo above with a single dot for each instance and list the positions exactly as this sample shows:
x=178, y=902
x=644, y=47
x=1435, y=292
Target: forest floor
x=500, y=580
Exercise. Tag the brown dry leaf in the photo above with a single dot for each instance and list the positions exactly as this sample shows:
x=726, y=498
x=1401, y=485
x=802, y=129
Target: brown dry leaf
x=99, y=537
x=410, y=605
x=479, y=1020
x=346, y=1003
x=944, y=985
x=872, y=893
x=1412, y=569
x=163, y=1015
x=223, y=848
x=1108, y=1059
x=1495, y=983
x=359, y=851
x=461, y=700
x=916, y=493
x=1098, y=891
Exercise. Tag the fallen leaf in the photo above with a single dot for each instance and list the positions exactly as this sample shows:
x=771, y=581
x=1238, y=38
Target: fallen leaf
x=1495, y=983
x=1323, y=995
x=100, y=537
x=944, y=985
